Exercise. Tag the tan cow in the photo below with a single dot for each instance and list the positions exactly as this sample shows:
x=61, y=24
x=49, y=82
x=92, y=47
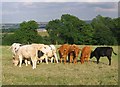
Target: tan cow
x=63, y=52
x=73, y=53
x=85, y=55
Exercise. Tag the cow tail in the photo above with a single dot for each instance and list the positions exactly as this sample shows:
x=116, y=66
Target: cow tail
x=9, y=48
x=114, y=52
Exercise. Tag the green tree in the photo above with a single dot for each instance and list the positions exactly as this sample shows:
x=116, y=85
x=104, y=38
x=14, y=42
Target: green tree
x=116, y=29
x=103, y=34
x=27, y=33
x=86, y=34
x=54, y=29
x=71, y=26
x=70, y=29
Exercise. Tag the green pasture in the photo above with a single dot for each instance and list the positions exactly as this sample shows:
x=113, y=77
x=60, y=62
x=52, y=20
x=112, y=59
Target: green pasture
x=60, y=74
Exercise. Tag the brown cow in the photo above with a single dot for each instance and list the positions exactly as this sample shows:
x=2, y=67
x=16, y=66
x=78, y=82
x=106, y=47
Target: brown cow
x=85, y=54
x=73, y=53
x=63, y=52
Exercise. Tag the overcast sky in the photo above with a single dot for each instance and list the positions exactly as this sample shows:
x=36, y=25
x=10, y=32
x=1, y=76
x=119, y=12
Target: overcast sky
x=16, y=12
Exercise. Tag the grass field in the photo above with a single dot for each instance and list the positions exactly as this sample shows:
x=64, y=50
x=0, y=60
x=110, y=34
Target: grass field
x=60, y=74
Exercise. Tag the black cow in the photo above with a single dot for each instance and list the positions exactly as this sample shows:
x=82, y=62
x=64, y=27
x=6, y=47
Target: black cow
x=101, y=52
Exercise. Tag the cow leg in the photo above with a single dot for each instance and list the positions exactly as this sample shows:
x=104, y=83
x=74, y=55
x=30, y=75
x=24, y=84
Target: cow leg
x=109, y=58
x=82, y=60
x=98, y=59
x=20, y=59
x=70, y=59
x=56, y=58
x=46, y=59
x=88, y=58
x=52, y=60
x=64, y=60
x=60, y=60
x=26, y=62
x=75, y=60
x=34, y=62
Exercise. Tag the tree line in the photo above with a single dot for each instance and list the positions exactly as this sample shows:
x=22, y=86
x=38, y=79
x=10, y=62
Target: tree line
x=69, y=29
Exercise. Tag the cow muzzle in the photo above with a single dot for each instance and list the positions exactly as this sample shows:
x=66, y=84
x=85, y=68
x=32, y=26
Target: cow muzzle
x=15, y=62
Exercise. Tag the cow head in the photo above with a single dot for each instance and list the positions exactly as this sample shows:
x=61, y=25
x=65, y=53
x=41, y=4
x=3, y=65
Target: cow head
x=63, y=50
x=74, y=48
x=15, y=60
x=63, y=53
x=92, y=55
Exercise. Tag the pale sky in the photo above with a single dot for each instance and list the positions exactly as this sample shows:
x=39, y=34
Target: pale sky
x=24, y=10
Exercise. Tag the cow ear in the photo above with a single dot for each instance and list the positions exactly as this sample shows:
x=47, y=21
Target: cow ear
x=21, y=45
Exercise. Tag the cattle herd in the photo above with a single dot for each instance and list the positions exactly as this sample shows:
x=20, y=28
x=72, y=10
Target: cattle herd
x=34, y=53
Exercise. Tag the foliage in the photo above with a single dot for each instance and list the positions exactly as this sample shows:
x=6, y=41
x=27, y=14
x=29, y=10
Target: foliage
x=26, y=34
x=69, y=29
x=103, y=34
x=116, y=29
x=10, y=30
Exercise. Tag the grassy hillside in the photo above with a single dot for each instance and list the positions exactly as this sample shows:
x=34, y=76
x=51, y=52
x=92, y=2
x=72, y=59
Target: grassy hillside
x=60, y=74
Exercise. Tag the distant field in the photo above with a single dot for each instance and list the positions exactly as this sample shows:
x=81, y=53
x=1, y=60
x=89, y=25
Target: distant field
x=60, y=74
x=44, y=33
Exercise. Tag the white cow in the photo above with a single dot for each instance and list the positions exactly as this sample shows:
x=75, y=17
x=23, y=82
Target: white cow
x=39, y=47
x=28, y=52
x=49, y=52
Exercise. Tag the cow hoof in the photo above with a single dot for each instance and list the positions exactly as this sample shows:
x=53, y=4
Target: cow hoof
x=34, y=68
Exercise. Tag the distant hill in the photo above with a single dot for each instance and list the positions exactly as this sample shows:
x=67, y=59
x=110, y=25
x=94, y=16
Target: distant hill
x=42, y=25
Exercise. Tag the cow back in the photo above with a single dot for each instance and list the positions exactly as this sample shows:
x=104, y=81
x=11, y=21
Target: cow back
x=103, y=51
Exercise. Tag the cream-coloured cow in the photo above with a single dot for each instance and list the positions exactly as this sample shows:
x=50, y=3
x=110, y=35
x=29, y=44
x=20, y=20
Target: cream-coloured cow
x=49, y=52
x=28, y=52
x=38, y=47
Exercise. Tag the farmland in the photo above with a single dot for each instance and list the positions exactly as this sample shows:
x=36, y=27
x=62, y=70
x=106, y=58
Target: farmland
x=60, y=74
